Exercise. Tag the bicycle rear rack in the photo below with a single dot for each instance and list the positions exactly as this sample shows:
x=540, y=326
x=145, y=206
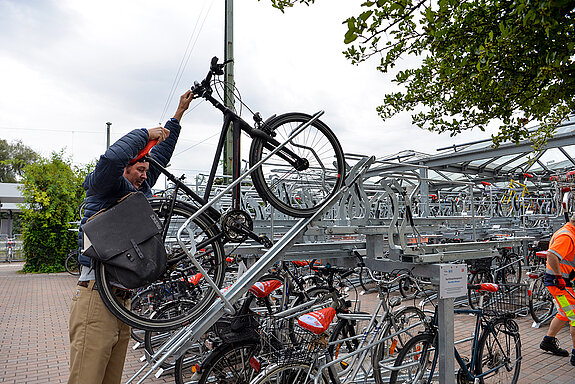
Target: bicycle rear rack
x=184, y=338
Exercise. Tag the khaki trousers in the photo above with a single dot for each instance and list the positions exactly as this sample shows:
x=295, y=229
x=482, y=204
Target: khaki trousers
x=98, y=340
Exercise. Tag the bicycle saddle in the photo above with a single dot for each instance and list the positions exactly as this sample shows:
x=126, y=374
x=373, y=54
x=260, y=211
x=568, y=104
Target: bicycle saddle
x=264, y=288
x=317, y=321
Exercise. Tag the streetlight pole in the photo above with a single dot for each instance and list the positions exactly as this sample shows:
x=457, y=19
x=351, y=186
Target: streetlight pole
x=232, y=143
x=108, y=135
x=229, y=83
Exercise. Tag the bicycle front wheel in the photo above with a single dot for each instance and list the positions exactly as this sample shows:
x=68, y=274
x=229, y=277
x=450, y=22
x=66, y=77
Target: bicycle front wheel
x=499, y=353
x=177, y=284
x=303, y=175
x=416, y=361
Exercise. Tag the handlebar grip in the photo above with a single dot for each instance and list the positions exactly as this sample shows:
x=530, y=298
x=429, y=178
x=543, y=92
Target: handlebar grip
x=215, y=68
x=144, y=151
x=488, y=287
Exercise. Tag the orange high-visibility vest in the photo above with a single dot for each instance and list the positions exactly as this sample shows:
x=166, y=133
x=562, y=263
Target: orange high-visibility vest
x=562, y=245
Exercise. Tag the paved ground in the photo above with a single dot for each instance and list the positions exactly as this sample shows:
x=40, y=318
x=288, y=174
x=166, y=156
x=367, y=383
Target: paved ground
x=34, y=334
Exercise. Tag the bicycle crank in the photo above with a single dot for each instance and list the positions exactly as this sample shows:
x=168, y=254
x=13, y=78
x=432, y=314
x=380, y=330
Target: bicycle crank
x=238, y=225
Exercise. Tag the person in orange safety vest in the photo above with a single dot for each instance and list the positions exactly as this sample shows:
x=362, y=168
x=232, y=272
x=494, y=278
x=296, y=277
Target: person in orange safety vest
x=559, y=274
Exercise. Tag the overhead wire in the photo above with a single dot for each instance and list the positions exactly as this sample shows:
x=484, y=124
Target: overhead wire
x=198, y=26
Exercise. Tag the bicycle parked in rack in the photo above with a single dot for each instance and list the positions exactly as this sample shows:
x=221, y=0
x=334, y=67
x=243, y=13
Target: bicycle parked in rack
x=243, y=344
x=294, y=290
x=296, y=165
x=495, y=345
x=354, y=349
x=363, y=342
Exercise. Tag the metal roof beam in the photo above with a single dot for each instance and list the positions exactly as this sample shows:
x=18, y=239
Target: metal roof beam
x=564, y=152
x=447, y=161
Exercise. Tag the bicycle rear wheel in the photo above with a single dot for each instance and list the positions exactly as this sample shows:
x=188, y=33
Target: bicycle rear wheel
x=154, y=340
x=508, y=269
x=541, y=305
x=320, y=168
x=176, y=284
x=227, y=364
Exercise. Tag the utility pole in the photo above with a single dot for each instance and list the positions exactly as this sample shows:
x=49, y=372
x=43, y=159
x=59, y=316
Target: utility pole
x=108, y=135
x=229, y=86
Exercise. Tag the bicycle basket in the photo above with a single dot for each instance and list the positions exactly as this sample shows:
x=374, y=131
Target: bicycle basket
x=232, y=329
x=299, y=345
x=483, y=264
x=510, y=300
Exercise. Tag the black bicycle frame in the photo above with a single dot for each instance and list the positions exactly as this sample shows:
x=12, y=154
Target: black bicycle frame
x=237, y=124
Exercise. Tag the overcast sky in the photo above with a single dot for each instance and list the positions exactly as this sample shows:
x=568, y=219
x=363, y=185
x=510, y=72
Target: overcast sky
x=70, y=66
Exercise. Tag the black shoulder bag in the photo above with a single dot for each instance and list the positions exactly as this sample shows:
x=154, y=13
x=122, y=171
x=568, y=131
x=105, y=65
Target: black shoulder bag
x=127, y=239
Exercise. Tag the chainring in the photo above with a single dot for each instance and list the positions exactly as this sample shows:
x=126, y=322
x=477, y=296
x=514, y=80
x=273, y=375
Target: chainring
x=236, y=224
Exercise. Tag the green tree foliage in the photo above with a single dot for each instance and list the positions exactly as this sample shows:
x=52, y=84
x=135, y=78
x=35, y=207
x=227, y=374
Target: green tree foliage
x=478, y=62
x=13, y=158
x=52, y=192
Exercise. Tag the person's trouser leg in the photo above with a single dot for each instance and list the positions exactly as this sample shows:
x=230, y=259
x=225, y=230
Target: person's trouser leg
x=118, y=356
x=98, y=341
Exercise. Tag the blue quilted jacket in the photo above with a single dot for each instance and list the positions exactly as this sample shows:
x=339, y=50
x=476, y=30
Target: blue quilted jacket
x=106, y=184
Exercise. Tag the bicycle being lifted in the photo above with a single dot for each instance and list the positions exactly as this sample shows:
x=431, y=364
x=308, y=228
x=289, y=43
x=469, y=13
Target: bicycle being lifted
x=296, y=165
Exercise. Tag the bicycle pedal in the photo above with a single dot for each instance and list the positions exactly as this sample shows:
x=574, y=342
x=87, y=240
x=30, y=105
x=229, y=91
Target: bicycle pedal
x=265, y=241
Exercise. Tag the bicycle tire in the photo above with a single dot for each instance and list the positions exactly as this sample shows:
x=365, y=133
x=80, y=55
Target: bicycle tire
x=417, y=358
x=226, y=364
x=137, y=335
x=387, y=351
x=298, y=193
x=541, y=304
x=155, y=339
x=481, y=276
x=344, y=330
x=71, y=263
x=499, y=344
x=207, y=238
x=292, y=373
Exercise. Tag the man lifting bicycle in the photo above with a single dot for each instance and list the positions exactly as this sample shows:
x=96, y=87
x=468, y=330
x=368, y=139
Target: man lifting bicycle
x=98, y=340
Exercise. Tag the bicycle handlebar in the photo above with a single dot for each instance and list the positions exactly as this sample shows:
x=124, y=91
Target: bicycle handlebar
x=204, y=88
x=392, y=281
